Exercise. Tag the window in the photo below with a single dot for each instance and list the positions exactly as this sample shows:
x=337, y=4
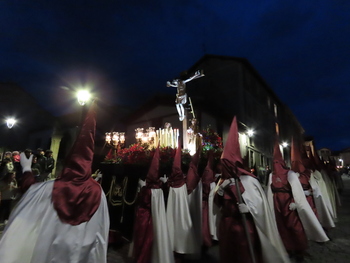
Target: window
x=277, y=128
x=275, y=109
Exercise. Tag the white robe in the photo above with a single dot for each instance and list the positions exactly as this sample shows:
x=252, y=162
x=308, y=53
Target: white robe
x=214, y=213
x=312, y=226
x=332, y=192
x=254, y=197
x=35, y=234
x=180, y=226
x=321, y=198
x=161, y=248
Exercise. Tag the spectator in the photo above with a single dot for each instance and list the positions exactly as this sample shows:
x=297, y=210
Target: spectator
x=41, y=160
x=36, y=169
x=8, y=189
x=50, y=164
x=6, y=165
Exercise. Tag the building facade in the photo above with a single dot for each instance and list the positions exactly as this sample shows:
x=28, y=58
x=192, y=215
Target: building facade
x=231, y=87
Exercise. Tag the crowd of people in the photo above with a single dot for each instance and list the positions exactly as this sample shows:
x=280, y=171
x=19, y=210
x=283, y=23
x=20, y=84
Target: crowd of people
x=42, y=166
x=179, y=216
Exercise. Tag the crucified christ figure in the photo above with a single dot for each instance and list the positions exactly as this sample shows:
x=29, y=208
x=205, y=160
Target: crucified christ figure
x=181, y=96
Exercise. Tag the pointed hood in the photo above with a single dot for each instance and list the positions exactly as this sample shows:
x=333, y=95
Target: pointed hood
x=280, y=170
x=208, y=173
x=192, y=178
x=75, y=195
x=152, y=179
x=305, y=159
x=176, y=178
x=313, y=162
x=231, y=159
x=297, y=165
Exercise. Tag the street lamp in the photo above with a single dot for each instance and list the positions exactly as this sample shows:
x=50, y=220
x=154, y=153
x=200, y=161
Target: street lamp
x=250, y=133
x=341, y=163
x=10, y=122
x=83, y=97
x=284, y=144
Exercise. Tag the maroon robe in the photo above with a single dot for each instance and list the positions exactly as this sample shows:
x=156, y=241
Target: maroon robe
x=233, y=241
x=143, y=226
x=288, y=222
x=207, y=178
x=305, y=174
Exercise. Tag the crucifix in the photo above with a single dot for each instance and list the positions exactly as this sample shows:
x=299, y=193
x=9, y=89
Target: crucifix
x=181, y=100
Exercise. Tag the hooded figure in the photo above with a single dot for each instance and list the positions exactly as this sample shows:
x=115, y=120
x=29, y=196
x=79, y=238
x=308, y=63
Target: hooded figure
x=304, y=174
x=180, y=225
x=323, y=204
x=194, y=190
x=319, y=198
x=151, y=238
x=207, y=180
x=331, y=189
x=281, y=200
x=234, y=243
x=302, y=198
x=63, y=220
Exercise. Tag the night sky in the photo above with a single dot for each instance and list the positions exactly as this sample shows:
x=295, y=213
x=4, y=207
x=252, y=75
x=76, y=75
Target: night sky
x=125, y=51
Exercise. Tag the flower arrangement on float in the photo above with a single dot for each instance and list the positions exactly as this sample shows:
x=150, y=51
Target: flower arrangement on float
x=140, y=154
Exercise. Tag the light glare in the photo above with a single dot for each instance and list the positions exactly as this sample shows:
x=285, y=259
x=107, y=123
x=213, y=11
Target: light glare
x=83, y=97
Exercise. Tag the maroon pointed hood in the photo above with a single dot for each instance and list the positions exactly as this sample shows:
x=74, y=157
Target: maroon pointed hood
x=75, y=195
x=313, y=161
x=280, y=170
x=192, y=178
x=231, y=159
x=176, y=178
x=208, y=173
x=305, y=159
x=152, y=179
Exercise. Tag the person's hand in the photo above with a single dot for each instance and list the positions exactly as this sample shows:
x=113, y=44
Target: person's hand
x=223, y=186
x=243, y=208
x=140, y=185
x=25, y=162
x=307, y=192
x=292, y=206
x=164, y=179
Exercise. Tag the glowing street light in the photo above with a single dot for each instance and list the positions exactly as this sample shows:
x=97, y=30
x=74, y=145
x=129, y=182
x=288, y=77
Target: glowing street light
x=10, y=122
x=83, y=96
x=250, y=133
x=284, y=144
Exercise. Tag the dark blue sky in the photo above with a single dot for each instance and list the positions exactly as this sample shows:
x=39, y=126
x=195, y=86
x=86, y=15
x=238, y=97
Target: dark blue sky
x=126, y=51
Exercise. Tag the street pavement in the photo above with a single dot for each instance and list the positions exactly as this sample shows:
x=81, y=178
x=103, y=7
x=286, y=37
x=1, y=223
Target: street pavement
x=337, y=250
